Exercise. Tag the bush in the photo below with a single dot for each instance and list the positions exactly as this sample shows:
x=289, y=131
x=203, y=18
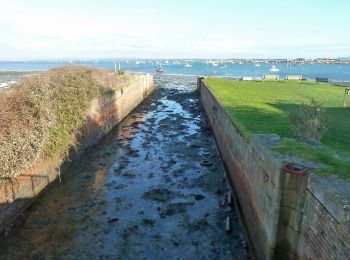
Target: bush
x=41, y=117
x=120, y=72
x=309, y=121
x=21, y=134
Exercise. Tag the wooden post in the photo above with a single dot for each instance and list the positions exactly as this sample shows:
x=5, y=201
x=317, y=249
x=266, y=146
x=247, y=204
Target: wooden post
x=229, y=198
x=228, y=224
x=347, y=92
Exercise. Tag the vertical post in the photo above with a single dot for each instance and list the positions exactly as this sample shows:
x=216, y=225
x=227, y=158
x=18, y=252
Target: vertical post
x=199, y=84
x=291, y=211
x=344, y=100
x=347, y=92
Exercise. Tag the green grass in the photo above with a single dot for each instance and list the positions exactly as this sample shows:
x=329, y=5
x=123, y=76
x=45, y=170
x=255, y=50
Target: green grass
x=334, y=164
x=263, y=108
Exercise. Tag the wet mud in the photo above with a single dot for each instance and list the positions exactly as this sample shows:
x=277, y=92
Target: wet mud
x=153, y=189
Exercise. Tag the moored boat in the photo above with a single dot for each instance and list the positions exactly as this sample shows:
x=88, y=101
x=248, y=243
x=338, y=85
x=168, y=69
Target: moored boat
x=160, y=69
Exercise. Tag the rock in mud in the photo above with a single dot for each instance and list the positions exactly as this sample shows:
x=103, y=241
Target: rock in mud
x=148, y=222
x=111, y=220
x=199, y=197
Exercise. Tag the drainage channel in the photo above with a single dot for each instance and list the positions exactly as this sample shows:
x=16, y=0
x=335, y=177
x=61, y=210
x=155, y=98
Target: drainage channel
x=153, y=189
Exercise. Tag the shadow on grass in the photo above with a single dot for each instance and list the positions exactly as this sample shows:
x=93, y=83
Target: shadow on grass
x=253, y=120
x=274, y=119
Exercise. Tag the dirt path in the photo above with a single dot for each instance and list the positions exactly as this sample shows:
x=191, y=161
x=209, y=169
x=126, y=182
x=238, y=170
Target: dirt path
x=153, y=189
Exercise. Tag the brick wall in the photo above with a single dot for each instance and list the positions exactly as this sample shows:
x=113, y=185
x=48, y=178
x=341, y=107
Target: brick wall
x=325, y=232
x=287, y=216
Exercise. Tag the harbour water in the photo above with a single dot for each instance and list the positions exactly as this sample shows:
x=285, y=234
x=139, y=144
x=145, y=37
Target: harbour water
x=335, y=72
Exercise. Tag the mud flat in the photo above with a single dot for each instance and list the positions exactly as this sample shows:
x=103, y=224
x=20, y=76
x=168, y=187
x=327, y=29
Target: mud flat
x=153, y=189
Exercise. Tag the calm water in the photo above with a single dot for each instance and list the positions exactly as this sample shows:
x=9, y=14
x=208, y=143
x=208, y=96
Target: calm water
x=336, y=72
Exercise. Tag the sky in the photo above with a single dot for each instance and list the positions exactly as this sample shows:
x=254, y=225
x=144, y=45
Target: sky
x=90, y=29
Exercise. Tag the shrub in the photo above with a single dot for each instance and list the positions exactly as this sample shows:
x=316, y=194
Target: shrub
x=21, y=134
x=308, y=121
x=120, y=72
x=41, y=117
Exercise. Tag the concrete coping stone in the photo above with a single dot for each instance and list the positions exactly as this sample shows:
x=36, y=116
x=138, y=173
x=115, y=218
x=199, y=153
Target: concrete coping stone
x=334, y=194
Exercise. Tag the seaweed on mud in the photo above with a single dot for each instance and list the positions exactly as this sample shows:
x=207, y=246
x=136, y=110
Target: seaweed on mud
x=159, y=195
x=175, y=208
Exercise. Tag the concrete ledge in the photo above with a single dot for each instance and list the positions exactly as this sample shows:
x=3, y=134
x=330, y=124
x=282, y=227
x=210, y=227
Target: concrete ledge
x=17, y=194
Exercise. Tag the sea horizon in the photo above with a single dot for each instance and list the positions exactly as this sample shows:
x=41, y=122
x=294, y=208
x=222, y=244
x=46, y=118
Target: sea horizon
x=193, y=67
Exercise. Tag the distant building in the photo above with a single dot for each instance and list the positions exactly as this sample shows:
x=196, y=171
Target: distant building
x=344, y=59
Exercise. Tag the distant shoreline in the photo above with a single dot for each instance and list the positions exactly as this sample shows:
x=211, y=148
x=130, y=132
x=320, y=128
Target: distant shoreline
x=208, y=68
x=12, y=78
x=9, y=72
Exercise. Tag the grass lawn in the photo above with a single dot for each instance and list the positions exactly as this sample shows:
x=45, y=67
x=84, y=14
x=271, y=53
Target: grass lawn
x=263, y=108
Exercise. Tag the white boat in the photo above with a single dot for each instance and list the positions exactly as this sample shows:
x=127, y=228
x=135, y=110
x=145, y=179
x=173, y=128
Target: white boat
x=160, y=69
x=3, y=85
x=187, y=65
x=274, y=69
x=215, y=64
x=257, y=65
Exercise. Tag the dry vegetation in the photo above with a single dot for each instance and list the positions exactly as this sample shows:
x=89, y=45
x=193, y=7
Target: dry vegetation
x=41, y=117
x=308, y=120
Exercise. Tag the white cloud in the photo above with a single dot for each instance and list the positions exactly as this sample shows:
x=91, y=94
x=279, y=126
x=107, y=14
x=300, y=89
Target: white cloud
x=47, y=32
x=29, y=29
x=218, y=45
x=149, y=11
x=31, y=45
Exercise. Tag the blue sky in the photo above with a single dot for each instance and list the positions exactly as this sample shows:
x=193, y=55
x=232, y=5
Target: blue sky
x=83, y=29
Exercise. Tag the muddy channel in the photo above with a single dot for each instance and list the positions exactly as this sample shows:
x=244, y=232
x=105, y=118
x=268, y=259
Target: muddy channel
x=154, y=188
